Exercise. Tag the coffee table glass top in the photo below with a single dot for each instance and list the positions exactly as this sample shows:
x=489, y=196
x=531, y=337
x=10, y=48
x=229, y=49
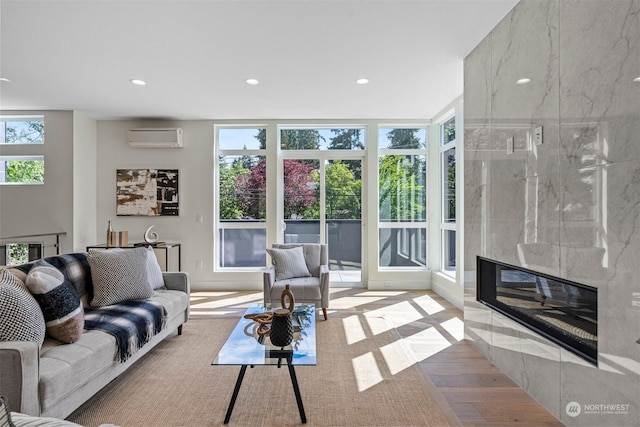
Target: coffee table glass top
x=245, y=347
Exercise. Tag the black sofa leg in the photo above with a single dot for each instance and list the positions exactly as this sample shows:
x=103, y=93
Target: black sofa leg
x=180, y=330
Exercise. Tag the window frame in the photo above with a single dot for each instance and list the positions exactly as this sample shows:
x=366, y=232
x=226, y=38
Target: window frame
x=219, y=225
x=25, y=158
x=419, y=251
x=20, y=118
x=443, y=147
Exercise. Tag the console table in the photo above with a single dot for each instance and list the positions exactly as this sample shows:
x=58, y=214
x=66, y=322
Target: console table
x=168, y=254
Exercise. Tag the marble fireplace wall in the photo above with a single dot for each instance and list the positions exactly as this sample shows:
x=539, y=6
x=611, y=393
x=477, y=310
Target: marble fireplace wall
x=569, y=207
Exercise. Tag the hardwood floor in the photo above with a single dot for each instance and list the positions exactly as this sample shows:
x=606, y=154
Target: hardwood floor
x=477, y=393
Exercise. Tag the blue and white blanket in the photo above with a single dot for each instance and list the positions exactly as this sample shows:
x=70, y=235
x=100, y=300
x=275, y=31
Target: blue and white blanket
x=132, y=323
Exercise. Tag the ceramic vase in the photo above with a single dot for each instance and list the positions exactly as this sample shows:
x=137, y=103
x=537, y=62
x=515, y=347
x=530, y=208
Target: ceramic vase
x=281, y=333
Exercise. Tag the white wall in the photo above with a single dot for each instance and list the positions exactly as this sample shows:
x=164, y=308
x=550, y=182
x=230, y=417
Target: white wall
x=195, y=163
x=84, y=181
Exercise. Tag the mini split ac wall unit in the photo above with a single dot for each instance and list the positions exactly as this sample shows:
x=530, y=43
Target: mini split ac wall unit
x=155, y=138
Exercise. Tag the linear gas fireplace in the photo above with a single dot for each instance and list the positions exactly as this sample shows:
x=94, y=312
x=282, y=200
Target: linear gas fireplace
x=563, y=311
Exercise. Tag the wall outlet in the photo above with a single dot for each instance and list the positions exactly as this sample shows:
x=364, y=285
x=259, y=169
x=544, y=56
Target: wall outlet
x=199, y=218
x=537, y=135
x=510, y=145
x=198, y=264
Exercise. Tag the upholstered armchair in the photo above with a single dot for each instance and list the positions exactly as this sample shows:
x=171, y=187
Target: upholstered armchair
x=305, y=270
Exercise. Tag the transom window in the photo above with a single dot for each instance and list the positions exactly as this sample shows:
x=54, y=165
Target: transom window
x=21, y=129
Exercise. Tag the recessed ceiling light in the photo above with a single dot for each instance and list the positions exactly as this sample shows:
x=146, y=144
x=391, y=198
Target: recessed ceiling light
x=252, y=82
x=4, y=79
x=637, y=79
x=138, y=82
x=523, y=81
x=362, y=81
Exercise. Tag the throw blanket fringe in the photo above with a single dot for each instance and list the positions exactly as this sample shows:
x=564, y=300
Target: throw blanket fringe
x=132, y=323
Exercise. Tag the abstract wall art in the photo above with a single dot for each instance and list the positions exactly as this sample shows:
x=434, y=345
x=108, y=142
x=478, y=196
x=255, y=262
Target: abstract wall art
x=147, y=192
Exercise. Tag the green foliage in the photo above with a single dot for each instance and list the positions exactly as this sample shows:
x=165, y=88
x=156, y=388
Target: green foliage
x=344, y=191
x=18, y=253
x=228, y=176
x=25, y=171
x=402, y=190
x=404, y=138
x=300, y=139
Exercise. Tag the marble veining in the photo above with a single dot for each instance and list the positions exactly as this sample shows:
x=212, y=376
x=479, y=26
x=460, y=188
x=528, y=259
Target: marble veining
x=570, y=206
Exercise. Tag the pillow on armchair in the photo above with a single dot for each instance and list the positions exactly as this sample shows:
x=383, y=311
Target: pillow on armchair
x=289, y=263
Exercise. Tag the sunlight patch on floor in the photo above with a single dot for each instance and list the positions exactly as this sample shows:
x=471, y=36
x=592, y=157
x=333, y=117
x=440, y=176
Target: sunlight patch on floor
x=385, y=294
x=425, y=344
x=428, y=304
x=242, y=300
x=198, y=295
x=402, y=313
x=455, y=327
x=345, y=303
x=397, y=356
x=353, y=329
x=366, y=371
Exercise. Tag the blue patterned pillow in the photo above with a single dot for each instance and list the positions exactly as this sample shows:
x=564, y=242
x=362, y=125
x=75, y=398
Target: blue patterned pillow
x=61, y=307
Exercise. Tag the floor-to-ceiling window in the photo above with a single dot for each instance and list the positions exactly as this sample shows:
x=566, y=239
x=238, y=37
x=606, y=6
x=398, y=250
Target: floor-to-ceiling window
x=241, y=197
x=362, y=189
x=322, y=193
x=402, y=220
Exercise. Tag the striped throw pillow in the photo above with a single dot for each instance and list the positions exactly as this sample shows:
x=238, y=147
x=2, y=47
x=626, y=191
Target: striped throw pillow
x=61, y=306
x=289, y=263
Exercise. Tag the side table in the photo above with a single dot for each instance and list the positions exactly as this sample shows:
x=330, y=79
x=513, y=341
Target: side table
x=168, y=254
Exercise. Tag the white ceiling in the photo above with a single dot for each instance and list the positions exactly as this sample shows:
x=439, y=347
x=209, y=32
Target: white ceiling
x=196, y=56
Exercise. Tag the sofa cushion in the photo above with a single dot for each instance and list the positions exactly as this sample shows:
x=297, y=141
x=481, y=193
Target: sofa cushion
x=154, y=273
x=289, y=263
x=21, y=318
x=64, y=368
x=75, y=268
x=119, y=276
x=61, y=307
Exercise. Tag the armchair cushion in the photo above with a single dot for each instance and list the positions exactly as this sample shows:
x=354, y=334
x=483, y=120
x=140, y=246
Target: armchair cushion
x=289, y=263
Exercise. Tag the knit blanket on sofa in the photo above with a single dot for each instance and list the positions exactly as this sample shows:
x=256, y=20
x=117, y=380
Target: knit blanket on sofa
x=133, y=323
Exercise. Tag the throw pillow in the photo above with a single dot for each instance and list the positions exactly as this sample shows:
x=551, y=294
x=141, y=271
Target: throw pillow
x=20, y=316
x=119, y=276
x=5, y=414
x=289, y=263
x=62, y=309
x=154, y=272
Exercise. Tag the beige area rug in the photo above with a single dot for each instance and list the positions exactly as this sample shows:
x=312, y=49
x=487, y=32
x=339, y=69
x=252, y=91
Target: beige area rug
x=361, y=379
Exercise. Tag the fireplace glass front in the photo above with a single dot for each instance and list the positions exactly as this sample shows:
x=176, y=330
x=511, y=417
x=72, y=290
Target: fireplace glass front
x=563, y=311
